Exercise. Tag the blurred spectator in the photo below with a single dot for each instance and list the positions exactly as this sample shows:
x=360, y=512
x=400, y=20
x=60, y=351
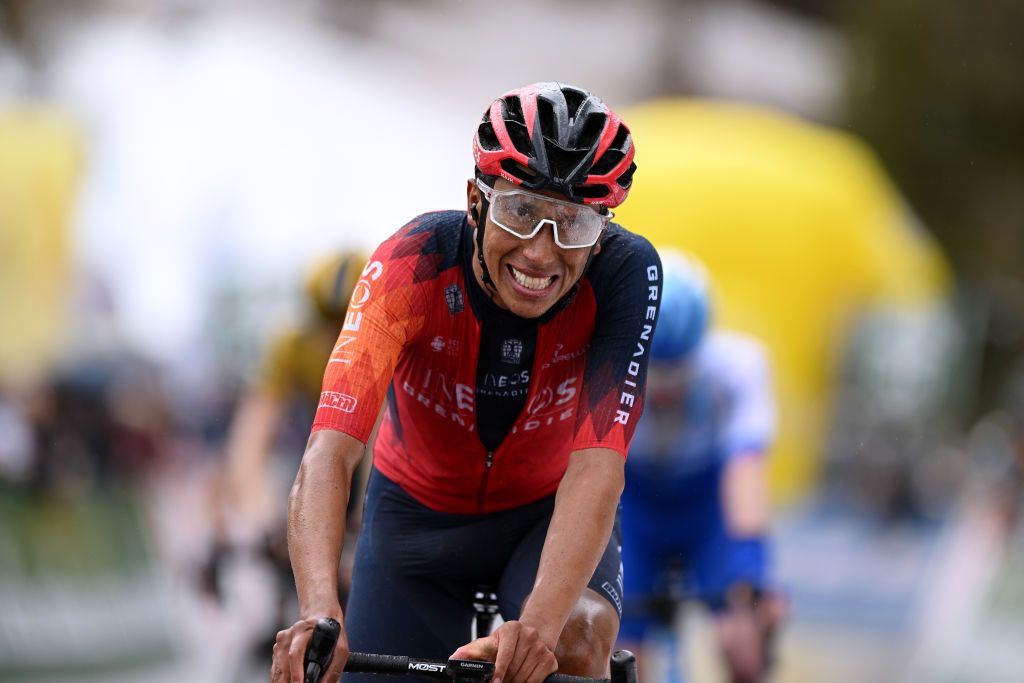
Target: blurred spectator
x=98, y=424
x=17, y=443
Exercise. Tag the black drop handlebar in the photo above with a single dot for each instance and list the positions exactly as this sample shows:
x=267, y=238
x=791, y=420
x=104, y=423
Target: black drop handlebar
x=325, y=635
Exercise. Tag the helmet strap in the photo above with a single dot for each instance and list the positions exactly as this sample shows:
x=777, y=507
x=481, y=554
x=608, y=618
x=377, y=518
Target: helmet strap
x=479, y=233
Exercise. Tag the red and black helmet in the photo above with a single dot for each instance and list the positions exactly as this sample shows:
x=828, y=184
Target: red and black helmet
x=556, y=137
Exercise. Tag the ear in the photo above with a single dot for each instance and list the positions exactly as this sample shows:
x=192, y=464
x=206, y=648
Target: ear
x=473, y=200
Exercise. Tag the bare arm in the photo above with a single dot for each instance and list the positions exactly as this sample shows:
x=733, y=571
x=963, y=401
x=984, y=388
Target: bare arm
x=745, y=496
x=316, y=516
x=253, y=430
x=316, y=530
x=580, y=527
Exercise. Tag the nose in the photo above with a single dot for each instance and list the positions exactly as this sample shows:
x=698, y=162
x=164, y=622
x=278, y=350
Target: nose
x=541, y=248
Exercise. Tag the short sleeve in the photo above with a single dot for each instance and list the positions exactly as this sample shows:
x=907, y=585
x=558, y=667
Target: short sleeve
x=626, y=281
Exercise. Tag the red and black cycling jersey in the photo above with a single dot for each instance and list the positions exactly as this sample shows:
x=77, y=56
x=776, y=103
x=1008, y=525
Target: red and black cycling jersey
x=464, y=373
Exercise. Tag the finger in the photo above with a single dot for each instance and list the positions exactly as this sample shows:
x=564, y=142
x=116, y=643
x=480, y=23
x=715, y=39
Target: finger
x=542, y=666
x=279, y=662
x=337, y=665
x=506, y=649
x=481, y=648
x=297, y=656
x=528, y=649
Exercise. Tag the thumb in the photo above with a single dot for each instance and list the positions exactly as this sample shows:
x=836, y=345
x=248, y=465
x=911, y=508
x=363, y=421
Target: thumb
x=481, y=648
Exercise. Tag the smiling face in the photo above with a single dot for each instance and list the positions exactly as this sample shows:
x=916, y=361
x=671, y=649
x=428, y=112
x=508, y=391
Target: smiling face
x=530, y=275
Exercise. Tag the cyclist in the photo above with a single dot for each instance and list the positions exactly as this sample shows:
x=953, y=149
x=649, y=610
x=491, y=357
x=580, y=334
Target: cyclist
x=283, y=396
x=287, y=390
x=695, y=484
x=511, y=341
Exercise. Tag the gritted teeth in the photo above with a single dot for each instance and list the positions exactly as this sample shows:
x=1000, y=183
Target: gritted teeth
x=531, y=282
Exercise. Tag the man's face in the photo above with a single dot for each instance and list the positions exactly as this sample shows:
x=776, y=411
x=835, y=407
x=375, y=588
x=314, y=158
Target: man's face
x=530, y=275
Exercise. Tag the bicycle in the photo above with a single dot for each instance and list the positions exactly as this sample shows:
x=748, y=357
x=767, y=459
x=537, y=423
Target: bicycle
x=664, y=653
x=325, y=635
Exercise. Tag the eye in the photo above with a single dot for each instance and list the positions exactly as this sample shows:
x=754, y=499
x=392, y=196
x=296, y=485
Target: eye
x=521, y=209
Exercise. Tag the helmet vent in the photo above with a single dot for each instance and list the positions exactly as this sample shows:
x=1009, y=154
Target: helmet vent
x=488, y=140
x=626, y=179
x=517, y=170
x=573, y=100
x=615, y=153
x=591, y=131
x=564, y=162
x=590, y=191
x=520, y=138
x=548, y=125
x=514, y=110
x=607, y=162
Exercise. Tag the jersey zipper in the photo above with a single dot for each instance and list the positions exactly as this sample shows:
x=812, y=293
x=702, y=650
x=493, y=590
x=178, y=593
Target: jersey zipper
x=488, y=462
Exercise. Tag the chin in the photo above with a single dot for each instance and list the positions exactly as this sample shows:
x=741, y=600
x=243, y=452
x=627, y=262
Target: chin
x=529, y=309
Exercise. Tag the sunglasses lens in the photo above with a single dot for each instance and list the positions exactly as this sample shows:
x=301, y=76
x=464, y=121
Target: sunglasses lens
x=517, y=213
x=521, y=213
x=582, y=231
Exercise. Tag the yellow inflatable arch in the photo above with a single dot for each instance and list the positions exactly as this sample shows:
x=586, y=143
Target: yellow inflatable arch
x=40, y=164
x=799, y=227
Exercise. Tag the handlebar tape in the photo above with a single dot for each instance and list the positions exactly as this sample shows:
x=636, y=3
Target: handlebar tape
x=364, y=663
x=566, y=678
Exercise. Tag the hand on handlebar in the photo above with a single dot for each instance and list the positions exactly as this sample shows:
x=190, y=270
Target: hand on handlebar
x=288, y=664
x=518, y=652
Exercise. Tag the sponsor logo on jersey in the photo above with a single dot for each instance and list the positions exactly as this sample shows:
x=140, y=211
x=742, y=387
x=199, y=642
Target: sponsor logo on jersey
x=439, y=344
x=360, y=295
x=444, y=397
x=549, y=406
x=338, y=401
x=453, y=297
x=558, y=397
x=512, y=351
x=627, y=397
x=353, y=316
x=505, y=386
x=559, y=355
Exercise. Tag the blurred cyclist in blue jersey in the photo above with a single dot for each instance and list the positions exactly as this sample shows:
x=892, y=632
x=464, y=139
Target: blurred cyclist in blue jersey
x=695, y=495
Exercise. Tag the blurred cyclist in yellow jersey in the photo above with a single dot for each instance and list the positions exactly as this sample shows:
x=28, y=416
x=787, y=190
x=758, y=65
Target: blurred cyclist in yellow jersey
x=289, y=381
x=284, y=395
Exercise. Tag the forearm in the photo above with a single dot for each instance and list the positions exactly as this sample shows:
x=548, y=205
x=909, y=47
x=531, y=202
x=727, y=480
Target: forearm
x=252, y=433
x=316, y=516
x=745, y=494
x=579, y=531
